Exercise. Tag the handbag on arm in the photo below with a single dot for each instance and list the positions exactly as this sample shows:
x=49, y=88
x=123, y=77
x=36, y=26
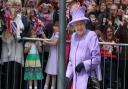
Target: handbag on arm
x=93, y=82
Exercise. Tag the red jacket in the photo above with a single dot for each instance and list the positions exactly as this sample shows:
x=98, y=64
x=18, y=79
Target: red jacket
x=109, y=51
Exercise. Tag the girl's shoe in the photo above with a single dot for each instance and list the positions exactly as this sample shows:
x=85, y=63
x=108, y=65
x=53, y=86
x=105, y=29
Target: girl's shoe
x=30, y=87
x=45, y=86
x=52, y=87
x=35, y=87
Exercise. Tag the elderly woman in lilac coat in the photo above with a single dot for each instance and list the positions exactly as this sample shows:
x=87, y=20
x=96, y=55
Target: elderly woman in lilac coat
x=84, y=47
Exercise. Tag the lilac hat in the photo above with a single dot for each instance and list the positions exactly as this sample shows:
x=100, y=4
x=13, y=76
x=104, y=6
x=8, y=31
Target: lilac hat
x=78, y=14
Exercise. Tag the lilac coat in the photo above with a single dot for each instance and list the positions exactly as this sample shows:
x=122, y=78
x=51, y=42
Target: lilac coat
x=83, y=50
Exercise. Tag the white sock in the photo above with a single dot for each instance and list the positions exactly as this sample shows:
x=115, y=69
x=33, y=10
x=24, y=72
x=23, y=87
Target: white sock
x=35, y=87
x=30, y=87
x=45, y=86
x=52, y=87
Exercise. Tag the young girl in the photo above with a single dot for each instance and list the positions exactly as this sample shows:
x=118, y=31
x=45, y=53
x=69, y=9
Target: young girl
x=109, y=59
x=33, y=70
x=52, y=64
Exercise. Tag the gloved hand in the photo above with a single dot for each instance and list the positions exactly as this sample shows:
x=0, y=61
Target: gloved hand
x=67, y=83
x=21, y=35
x=79, y=67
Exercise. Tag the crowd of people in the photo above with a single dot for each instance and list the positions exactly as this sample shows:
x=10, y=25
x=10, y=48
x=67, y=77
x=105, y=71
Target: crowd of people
x=37, y=61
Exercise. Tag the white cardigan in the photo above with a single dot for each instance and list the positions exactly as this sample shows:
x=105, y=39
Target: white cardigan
x=15, y=46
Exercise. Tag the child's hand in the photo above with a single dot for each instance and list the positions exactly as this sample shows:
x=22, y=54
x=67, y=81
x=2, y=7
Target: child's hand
x=43, y=35
x=41, y=23
x=38, y=44
x=45, y=42
x=101, y=39
x=29, y=46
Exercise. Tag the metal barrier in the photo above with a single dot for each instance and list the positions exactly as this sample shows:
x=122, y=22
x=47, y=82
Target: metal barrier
x=22, y=83
x=114, y=69
x=108, y=66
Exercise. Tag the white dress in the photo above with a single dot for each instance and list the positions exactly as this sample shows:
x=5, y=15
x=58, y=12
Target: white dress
x=52, y=64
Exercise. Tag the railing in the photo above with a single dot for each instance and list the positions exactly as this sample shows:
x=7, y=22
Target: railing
x=108, y=67
x=110, y=43
x=114, y=69
x=24, y=84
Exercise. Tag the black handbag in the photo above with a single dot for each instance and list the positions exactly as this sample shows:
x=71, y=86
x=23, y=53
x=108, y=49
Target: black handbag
x=93, y=82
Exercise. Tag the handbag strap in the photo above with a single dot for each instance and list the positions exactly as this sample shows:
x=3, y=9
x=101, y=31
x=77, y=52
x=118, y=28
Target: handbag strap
x=91, y=68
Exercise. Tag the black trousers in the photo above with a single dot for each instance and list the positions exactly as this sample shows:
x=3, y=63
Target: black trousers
x=1, y=76
x=109, y=72
x=123, y=73
x=11, y=75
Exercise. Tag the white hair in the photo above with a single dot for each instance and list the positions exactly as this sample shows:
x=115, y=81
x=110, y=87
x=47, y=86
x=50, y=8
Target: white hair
x=114, y=6
x=15, y=1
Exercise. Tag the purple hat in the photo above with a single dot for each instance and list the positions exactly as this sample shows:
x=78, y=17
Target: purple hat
x=78, y=14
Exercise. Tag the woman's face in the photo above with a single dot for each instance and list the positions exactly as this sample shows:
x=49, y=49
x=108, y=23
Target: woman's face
x=109, y=3
x=126, y=12
x=74, y=6
x=13, y=13
x=109, y=33
x=94, y=5
x=45, y=8
x=93, y=18
x=40, y=8
x=125, y=18
x=14, y=8
x=102, y=7
x=90, y=9
x=79, y=27
x=120, y=12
